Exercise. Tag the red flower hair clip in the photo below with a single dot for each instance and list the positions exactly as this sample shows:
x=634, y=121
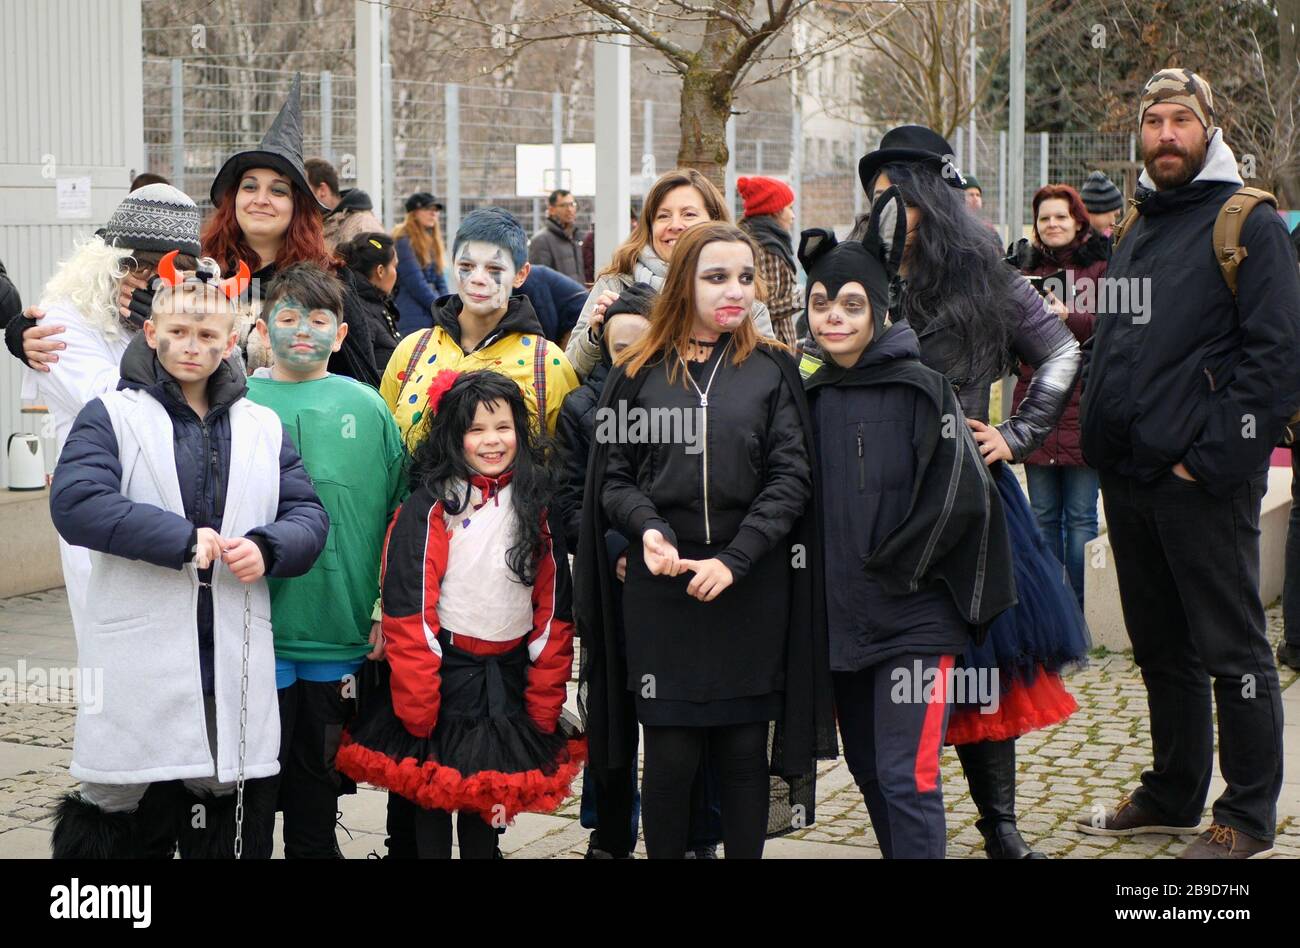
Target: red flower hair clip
x=439, y=386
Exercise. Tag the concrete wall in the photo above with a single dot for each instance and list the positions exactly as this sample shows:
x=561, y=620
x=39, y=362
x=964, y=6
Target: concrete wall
x=31, y=557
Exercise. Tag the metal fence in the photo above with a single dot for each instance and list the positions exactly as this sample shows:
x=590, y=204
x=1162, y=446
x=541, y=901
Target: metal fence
x=462, y=138
x=198, y=113
x=1050, y=158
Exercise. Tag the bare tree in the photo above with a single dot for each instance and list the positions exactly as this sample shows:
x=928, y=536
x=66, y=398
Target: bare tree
x=716, y=47
x=915, y=67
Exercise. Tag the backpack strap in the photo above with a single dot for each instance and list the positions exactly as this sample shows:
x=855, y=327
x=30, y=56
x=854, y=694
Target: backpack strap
x=420, y=345
x=1125, y=223
x=539, y=380
x=1228, y=248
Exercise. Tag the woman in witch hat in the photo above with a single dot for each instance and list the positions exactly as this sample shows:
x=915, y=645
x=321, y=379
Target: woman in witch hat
x=264, y=211
x=975, y=318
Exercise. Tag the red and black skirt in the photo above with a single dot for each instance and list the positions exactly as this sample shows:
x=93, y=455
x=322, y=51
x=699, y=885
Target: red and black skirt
x=485, y=754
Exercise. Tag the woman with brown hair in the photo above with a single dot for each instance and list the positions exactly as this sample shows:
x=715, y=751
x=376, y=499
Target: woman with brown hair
x=718, y=598
x=421, y=259
x=680, y=199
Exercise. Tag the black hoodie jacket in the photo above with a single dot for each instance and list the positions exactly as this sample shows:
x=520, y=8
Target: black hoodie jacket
x=916, y=539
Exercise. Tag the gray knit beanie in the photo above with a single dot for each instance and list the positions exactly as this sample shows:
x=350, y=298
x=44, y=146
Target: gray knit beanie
x=1100, y=194
x=157, y=217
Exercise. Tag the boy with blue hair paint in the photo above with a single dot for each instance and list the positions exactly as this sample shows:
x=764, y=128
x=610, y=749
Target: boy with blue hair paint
x=483, y=327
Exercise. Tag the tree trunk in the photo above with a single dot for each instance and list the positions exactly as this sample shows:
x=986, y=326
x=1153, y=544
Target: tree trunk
x=706, y=106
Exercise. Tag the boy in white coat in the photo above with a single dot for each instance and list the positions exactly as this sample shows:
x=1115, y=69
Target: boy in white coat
x=187, y=495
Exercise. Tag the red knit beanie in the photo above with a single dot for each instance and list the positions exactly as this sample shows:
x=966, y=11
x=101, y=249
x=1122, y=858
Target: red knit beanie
x=764, y=195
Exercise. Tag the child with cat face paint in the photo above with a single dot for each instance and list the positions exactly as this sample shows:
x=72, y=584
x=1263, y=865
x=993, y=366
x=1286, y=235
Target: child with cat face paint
x=482, y=327
x=326, y=622
x=917, y=552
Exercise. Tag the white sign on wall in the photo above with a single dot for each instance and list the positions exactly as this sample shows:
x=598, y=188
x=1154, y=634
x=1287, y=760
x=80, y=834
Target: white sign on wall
x=535, y=169
x=73, y=198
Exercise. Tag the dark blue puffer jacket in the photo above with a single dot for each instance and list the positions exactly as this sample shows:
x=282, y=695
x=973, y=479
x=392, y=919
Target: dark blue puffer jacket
x=556, y=298
x=416, y=290
x=88, y=508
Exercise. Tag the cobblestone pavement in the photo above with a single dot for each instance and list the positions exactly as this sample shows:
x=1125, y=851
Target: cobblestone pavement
x=1065, y=771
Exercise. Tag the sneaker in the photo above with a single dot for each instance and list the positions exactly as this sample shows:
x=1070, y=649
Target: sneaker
x=1224, y=842
x=704, y=852
x=1128, y=819
x=1288, y=655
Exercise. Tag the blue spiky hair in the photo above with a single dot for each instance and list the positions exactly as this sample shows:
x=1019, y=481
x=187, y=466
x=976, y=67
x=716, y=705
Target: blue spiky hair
x=497, y=226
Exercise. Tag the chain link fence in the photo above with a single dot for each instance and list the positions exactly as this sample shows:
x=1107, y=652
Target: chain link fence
x=198, y=112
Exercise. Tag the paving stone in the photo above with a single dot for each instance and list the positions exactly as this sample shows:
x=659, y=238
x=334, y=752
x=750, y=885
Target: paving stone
x=1064, y=772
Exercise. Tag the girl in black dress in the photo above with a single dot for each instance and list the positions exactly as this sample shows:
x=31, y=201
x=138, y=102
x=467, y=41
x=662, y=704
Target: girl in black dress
x=701, y=459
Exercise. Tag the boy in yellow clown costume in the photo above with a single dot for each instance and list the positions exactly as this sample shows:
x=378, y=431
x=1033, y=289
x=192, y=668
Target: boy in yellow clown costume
x=482, y=327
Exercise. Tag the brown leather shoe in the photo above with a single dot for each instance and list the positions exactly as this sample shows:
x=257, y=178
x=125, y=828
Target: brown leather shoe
x=1224, y=842
x=1128, y=819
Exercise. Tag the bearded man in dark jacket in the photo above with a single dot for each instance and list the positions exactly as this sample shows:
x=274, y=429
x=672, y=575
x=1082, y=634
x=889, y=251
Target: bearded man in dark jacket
x=1189, y=389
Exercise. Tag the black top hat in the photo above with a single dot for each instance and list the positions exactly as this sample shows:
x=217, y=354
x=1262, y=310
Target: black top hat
x=281, y=149
x=914, y=144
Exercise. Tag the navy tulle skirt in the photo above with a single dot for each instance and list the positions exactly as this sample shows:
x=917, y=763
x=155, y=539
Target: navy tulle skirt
x=1033, y=642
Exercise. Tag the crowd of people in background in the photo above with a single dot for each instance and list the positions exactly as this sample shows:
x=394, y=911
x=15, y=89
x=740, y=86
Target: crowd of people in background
x=379, y=485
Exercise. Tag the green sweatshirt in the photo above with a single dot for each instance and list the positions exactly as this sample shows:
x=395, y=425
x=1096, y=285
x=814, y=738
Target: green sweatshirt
x=351, y=447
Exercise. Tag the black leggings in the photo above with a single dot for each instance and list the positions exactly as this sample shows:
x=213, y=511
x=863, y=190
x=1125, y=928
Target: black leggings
x=738, y=753
x=478, y=839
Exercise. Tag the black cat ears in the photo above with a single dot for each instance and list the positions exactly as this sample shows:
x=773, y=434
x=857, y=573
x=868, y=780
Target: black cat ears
x=886, y=235
x=814, y=244
x=885, y=239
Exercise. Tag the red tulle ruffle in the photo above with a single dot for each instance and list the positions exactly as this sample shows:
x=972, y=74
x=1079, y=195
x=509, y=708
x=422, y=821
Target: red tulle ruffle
x=490, y=793
x=1021, y=709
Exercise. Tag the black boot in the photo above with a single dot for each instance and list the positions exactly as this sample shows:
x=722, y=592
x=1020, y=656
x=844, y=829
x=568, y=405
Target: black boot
x=207, y=829
x=990, y=768
x=84, y=831
x=156, y=819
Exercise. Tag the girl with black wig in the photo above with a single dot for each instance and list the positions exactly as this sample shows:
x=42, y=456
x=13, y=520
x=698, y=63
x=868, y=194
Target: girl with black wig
x=477, y=629
x=975, y=317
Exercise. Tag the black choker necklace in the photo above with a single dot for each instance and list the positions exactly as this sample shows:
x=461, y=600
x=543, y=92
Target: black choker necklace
x=701, y=342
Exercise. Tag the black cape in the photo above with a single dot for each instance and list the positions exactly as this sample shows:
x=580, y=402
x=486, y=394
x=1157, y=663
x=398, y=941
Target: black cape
x=956, y=529
x=806, y=732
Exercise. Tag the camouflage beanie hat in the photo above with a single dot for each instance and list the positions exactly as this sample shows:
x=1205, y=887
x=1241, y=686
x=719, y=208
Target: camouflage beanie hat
x=1181, y=87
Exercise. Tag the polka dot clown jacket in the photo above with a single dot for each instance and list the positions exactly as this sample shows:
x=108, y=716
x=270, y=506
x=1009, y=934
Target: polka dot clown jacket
x=515, y=348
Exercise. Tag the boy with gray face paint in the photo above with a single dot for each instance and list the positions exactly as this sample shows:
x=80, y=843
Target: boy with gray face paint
x=326, y=622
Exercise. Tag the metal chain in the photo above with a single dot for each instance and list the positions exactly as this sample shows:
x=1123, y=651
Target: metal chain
x=243, y=725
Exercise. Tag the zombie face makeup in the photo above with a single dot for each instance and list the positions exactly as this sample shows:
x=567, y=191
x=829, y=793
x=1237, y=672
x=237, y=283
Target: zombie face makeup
x=190, y=341
x=724, y=287
x=490, y=441
x=302, y=338
x=486, y=274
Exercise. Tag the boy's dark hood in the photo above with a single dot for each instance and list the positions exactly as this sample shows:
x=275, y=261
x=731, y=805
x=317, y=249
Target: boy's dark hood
x=897, y=342
x=520, y=317
x=141, y=369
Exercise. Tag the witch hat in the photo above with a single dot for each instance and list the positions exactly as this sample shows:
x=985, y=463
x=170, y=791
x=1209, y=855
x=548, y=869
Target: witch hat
x=280, y=150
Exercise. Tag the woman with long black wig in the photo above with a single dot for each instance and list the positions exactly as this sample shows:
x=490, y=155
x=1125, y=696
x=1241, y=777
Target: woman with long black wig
x=976, y=317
